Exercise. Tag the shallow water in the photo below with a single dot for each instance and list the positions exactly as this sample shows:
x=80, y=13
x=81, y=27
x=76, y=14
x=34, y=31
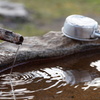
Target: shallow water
x=68, y=78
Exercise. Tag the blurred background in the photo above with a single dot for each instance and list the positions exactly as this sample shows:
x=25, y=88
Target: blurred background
x=36, y=17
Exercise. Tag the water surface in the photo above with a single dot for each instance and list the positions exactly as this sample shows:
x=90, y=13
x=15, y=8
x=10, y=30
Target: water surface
x=69, y=78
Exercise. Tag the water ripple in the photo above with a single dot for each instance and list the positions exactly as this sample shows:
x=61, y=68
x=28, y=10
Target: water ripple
x=27, y=84
x=43, y=76
x=96, y=81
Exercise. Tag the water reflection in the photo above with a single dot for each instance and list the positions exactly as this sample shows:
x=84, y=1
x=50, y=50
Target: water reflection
x=96, y=64
x=77, y=76
x=28, y=85
x=52, y=77
x=95, y=82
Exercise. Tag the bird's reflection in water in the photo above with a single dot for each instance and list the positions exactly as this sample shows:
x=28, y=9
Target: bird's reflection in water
x=28, y=84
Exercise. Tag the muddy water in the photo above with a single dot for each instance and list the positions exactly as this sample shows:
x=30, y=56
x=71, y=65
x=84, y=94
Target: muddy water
x=75, y=77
